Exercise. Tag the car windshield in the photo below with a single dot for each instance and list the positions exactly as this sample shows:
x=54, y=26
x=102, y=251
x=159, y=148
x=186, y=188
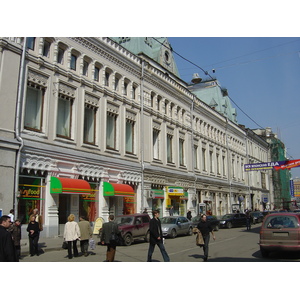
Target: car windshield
x=276, y=222
x=124, y=220
x=226, y=217
x=167, y=220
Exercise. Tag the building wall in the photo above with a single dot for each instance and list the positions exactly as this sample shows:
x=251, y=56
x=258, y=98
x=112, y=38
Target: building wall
x=133, y=91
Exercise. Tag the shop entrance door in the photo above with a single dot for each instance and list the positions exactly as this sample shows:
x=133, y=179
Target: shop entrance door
x=64, y=208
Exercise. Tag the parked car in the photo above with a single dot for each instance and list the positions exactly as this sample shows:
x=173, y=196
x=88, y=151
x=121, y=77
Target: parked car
x=233, y=220
x=135, y=226
x=215, y=223
x=256, y=217
x=176, y=225
x=280, y=232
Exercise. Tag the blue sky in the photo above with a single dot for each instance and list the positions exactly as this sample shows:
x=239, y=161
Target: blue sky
x=262, y=75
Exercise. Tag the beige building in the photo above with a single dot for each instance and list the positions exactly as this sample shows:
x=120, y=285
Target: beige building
x=99, y=125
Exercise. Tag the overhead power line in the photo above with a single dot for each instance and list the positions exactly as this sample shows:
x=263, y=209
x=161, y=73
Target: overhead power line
x=206, y=73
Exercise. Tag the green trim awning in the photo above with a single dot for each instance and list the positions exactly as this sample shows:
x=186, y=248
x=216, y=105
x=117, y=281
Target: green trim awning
x=60, y=185
x=117, y=189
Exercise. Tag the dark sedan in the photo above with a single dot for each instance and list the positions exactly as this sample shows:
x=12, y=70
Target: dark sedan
x=233, y=220
x=215, y=223
x=256, y=217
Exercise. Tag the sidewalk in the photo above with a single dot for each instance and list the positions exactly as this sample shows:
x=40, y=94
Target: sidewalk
x=47, y=244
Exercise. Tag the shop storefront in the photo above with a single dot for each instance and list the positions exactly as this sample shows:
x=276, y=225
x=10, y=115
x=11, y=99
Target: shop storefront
x=121, y=198
x=157, y=197
x=176, y=198
x=31, y=196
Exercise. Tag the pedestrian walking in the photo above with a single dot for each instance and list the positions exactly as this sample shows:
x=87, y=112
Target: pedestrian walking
x=171, y=211
x=156, y=238
x=85, y=234
x=71, y=235
x=189, y=215
x=109, y=237
x=33, y=235
x=248, y=219
x=7, y=248
x=205, y=228
x=15, y=231
x=12, y=215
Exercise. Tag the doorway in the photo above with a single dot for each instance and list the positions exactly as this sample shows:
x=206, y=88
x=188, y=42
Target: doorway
x=64, y=208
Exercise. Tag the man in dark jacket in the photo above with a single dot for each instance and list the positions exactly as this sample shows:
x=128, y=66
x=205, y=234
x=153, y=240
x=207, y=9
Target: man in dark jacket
x=205, y=228
x=7, y=249
x=156, y=237
x=106, y=234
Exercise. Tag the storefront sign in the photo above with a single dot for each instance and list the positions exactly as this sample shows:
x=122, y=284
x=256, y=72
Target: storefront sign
x=175, y=191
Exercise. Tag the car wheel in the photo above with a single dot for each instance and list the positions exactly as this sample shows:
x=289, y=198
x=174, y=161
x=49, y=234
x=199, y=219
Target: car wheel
x=127, y=239
x=217, y=228
x=229, y=225
x=264, y=253
x=173, y=234
x=190, y=232
x=147, y=237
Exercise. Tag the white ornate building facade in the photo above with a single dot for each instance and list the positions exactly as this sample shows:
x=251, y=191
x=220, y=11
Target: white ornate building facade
x=91, y=126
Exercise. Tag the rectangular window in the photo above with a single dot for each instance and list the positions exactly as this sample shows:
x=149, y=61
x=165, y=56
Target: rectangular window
x=181, y=152
x=30, y=43
x=155, y=144
x=203, y=159
x=96, y=74
x=211, y=163
x=111, y=131
x=85, y=68
x=34, y=108
x=195, y=156
x=169, y=148
x=129, y=136
x=73, y=62
x=60, y=56
x=46, y=48
x=64, y=117
x=106, y=82
x=117, y=80
x=89, y=130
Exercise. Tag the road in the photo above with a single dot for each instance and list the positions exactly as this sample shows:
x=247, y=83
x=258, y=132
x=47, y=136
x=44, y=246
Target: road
x=231, y=245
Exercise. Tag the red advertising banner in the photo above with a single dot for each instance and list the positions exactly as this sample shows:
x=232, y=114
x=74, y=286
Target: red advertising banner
x=288, y=165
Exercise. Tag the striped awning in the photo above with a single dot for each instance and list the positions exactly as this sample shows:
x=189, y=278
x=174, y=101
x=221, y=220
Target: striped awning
x=61, y=185
x=117, y=189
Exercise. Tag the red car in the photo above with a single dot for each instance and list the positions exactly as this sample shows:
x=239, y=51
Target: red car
x=280, y=232
x=135, y=226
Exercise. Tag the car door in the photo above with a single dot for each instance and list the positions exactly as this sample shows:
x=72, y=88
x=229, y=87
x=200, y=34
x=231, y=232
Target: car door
x=180, y=225
x=139, y=229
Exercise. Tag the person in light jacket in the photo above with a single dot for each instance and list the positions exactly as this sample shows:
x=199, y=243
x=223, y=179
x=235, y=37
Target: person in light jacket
x=71, y=235
x=85, y=234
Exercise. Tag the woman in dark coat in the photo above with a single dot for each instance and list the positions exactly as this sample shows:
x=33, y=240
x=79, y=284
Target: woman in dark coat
x=16, y=236
x=33, y=234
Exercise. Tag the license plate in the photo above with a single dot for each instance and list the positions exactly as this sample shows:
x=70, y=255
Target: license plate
x=280, y=234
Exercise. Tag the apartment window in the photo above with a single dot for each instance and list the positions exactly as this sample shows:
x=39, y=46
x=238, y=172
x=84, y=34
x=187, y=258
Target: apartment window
x=126, y=84
x=181, y=152
x=64, y=116
x=211, y=163
x=117, y=81
x=97, y=74
x=89, y=130
x=34, y=108
x=106, y=79
x=218, y=164
x=155, y=144
x=134, y=88
x=46, y=48
x=195, y=156
x=73, y=62
x=60, y=55
x=169, y=148
x=129, y=136
x=111, y=131
x=203, y=159
x=30, y=43
x=85, y=68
